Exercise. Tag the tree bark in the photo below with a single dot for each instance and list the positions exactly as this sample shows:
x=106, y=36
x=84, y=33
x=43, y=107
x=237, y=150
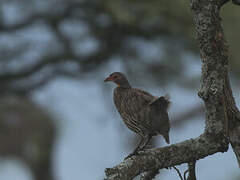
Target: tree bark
x=191, y=171
x=222, y=116
x=215, y=83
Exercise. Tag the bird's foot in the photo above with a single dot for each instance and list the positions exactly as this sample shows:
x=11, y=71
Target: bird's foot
x=132, y=154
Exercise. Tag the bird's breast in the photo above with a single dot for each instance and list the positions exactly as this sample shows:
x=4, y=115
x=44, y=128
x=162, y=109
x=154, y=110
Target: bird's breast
x=120, y=96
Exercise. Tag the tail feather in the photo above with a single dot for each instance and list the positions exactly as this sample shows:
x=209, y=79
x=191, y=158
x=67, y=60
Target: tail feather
x=159, y=116
x=167, y=98
x=162, y=102
x=166, y=137
x=237, y=153
x=238, y=159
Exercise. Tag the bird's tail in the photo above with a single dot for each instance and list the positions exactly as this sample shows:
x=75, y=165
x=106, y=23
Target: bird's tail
x=159, y=116
x=162, y=102
x=166, y=137
x=237, y=156
x=238, y=159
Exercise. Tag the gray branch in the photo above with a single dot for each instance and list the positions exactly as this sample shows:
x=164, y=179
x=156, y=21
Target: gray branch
x=159, y=158
x=215, y=90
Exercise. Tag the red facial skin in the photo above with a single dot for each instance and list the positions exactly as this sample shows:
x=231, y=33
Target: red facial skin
x=110, y=78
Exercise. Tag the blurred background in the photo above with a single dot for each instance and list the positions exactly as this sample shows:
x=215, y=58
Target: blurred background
x=57, y=117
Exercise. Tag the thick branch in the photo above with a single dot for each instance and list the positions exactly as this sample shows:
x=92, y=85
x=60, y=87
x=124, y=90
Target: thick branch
x=176, y=154
x=216, y=92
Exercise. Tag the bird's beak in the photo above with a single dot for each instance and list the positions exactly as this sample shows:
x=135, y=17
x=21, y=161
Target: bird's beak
x=108, y=79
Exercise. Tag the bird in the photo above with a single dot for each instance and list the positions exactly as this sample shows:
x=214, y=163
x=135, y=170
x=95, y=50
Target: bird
x=143, y=113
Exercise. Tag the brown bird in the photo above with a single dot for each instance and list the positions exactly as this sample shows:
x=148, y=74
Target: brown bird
x=142, y=112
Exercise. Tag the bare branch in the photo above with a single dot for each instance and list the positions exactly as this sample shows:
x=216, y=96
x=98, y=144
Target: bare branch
x=191, y=171
x=185, y=174
x=169, y=156
x=179, y=173
x=215, y=86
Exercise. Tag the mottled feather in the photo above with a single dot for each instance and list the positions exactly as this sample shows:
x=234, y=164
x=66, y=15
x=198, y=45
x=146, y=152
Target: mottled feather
x=142, y=112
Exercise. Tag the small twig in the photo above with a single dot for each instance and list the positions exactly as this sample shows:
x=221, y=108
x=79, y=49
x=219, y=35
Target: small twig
x=179, y=173
x=185, y=174
x=191, y=171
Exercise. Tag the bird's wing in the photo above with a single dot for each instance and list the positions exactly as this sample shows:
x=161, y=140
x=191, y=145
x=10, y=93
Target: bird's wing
x=138, y=100
x=131, y=104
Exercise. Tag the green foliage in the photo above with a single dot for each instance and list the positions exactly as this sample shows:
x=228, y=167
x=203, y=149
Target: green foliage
x=231, y=25
x=148, y=36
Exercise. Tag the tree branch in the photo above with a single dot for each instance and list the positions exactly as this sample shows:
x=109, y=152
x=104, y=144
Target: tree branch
x=215, y=91
x=178, y=172
x=169, y=156
x=215, y=86
x=191, y=171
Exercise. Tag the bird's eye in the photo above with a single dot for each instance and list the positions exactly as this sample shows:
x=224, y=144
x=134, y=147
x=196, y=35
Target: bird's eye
x=115, y=76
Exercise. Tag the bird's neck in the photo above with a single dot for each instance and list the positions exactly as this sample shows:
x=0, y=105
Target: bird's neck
x=125, y=86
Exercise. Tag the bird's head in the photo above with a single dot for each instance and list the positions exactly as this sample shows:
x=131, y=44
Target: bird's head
x=118, y=78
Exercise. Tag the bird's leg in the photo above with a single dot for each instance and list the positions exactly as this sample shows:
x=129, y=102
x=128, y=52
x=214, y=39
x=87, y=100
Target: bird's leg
x=145, y=142
x=135, y=151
